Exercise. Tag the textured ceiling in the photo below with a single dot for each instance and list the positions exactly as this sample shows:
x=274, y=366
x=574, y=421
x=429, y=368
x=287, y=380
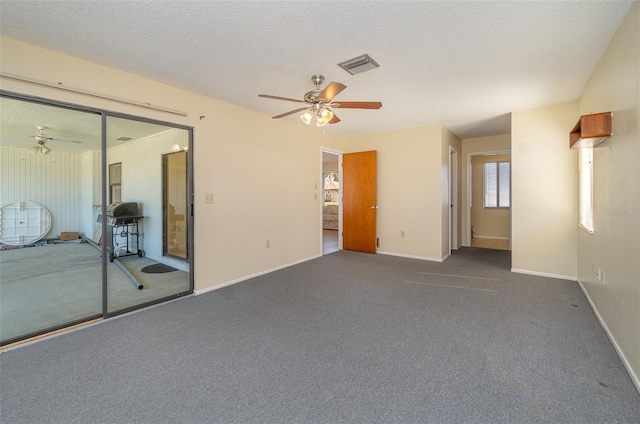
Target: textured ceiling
x=466, y=65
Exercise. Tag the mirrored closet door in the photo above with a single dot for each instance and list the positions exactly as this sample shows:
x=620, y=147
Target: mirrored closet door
x=94, y=215
x=51, y=271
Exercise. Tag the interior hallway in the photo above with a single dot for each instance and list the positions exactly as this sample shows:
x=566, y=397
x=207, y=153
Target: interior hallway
x=330, y=242
x=489, y=243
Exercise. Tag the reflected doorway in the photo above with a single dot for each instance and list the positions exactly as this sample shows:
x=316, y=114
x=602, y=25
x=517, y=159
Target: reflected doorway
x=174, y=170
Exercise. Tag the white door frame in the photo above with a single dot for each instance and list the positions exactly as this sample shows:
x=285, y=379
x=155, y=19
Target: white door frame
x=453, y=199
x=320, y=194
x=467, y=236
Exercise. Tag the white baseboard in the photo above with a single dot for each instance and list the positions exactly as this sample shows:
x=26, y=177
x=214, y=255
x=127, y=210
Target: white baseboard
x=491, y=237
x=423, y=258
x=247, y=277
x=544, y=274
x=634, y=377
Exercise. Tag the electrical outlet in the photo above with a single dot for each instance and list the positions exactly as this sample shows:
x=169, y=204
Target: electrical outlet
x=268, y=244
x=402, y=233
x=599, y=274
x=208, y=198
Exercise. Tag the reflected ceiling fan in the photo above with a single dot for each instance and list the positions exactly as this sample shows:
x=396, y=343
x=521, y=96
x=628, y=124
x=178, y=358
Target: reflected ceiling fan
x=42, y=139
x=318, y=103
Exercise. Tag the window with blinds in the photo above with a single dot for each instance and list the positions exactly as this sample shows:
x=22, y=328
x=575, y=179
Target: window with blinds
x=115, y=182
x=496, y=184
x=586, y=188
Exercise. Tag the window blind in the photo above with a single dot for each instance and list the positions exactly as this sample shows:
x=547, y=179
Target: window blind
x=496, y=184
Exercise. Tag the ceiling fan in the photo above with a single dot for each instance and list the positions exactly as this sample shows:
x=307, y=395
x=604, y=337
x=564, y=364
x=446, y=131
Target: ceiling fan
x=42, y=139
x=318, y=103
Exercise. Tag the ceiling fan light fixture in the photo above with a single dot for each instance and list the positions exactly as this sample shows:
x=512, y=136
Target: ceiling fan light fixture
x=34, y=149
x=306, y=117
x=44, y=150
x=320, y=121
x=326, y=114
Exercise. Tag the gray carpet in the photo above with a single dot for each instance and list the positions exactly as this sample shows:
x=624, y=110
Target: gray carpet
x=346, y=338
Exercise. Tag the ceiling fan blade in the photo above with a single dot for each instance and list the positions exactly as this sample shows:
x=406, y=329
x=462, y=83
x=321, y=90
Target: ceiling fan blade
x=357, y=105
x=41, y=137
x=267, y=96
x=66, y=141
x=331, y=90
x=290, y=112
x=335, y=119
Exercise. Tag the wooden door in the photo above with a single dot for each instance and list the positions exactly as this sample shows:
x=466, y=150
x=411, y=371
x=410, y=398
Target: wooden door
x=359, y=197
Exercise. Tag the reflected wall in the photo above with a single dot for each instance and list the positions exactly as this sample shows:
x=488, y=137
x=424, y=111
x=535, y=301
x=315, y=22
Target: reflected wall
x=49, y=156
x=137, y=242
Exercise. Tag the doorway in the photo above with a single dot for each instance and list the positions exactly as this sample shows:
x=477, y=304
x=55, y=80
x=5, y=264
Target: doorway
x=331, y=201
x=453, y=199
x=489, y=211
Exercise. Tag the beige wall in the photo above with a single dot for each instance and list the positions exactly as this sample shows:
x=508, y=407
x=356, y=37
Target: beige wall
x=410, y=194
x=614, y=246
x=492, y=223
x=264, y=174
x=544, y=197
x=471, y=146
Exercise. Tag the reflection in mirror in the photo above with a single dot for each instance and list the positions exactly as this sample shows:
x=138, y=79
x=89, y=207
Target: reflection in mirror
x=140, y=271
x=175, y=204
x=51, y=270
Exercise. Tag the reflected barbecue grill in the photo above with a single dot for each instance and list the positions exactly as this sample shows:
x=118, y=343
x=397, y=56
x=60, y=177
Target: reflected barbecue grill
x=123, y=220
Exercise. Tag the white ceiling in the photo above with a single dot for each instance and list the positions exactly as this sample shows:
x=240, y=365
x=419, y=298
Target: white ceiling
x=466, y=65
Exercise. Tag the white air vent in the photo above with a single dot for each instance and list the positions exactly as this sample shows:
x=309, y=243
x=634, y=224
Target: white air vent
x=123, y=138
x=358, y=64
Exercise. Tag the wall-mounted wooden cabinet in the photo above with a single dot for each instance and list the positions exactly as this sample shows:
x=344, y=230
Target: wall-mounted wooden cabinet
x=591, y=130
